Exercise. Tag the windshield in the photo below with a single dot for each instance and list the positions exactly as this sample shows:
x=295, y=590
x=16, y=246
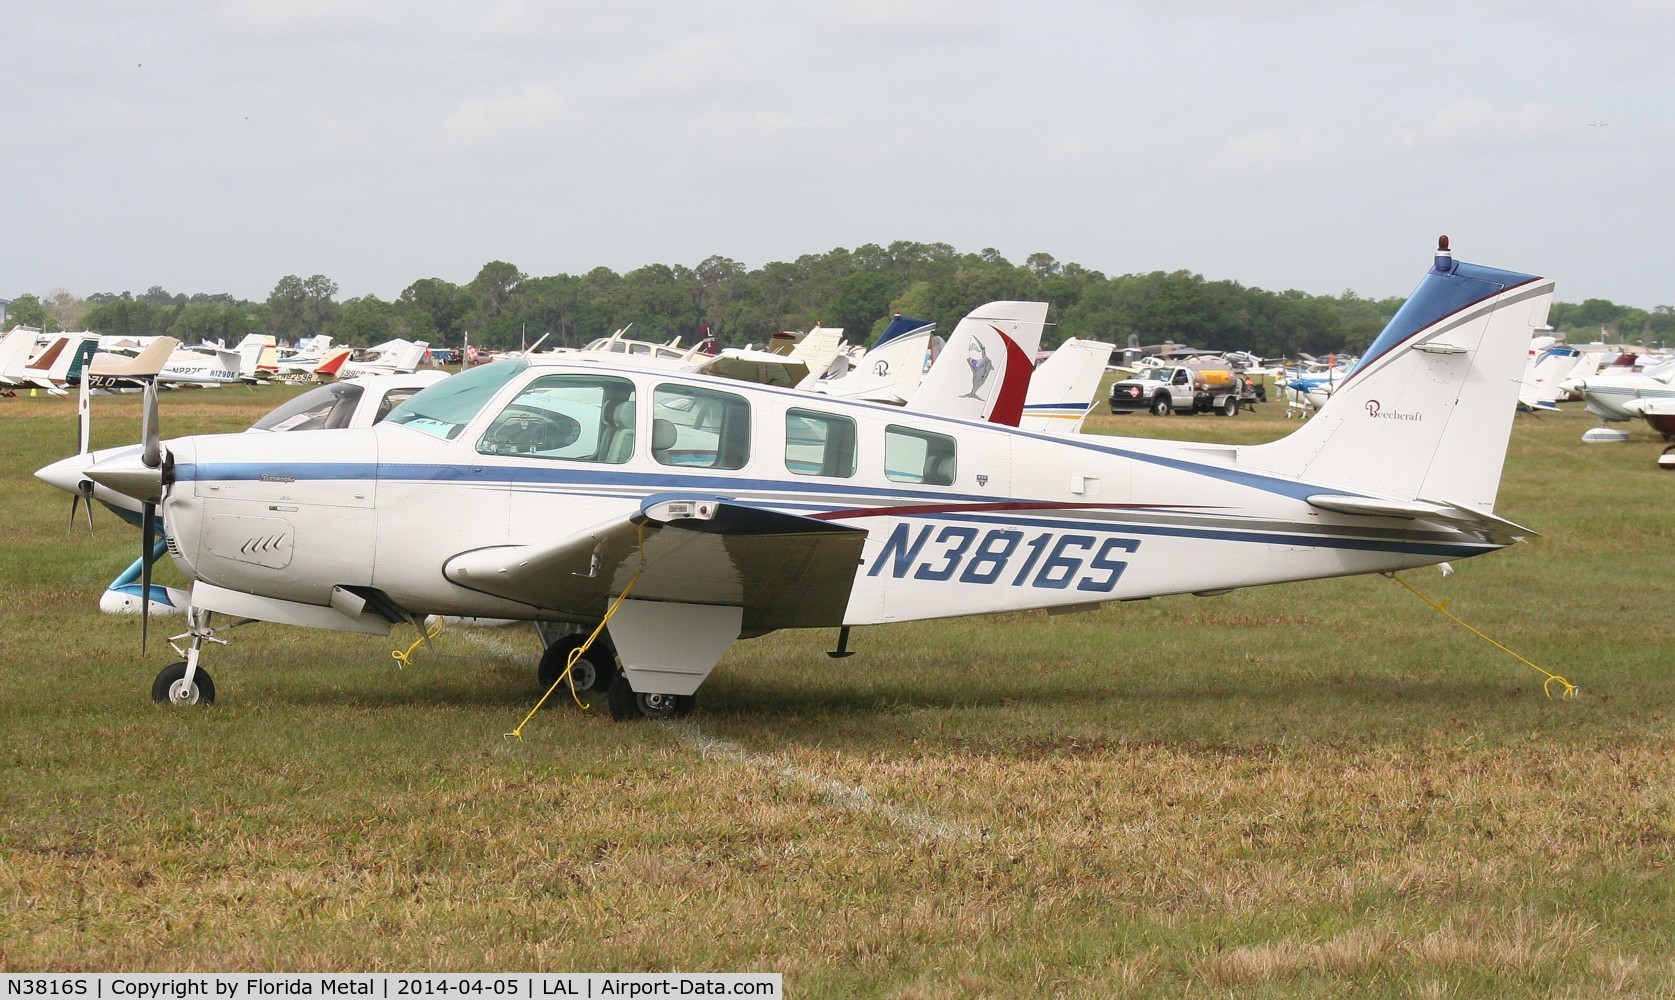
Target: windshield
x=445, y=408
x=325, y=407
x=1155, y=375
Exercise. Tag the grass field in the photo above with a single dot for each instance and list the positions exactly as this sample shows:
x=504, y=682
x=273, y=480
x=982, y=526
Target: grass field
x=1307, y=790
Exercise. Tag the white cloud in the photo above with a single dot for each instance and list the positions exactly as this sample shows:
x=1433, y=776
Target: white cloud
x=515, y=114
x=701, y=63
x=1474, y=123
x=307, y=19
x=1270, y=151
x=924, y=21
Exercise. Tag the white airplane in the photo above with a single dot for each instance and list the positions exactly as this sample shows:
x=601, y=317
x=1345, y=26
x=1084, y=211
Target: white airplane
x=1610, y=393
x=54, y=367
x=685, y=512
x=1547, y=367
x=390, y=358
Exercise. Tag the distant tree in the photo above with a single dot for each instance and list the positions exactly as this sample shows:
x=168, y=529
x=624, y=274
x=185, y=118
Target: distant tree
x=364, y=322
x=300, y=307
x=27, y=310
x=66, y=310
x=434, y=309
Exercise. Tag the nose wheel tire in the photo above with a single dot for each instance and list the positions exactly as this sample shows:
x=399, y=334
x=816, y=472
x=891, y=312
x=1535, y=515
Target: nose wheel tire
x=170, y=687
x=628, y=705
x=593, y=672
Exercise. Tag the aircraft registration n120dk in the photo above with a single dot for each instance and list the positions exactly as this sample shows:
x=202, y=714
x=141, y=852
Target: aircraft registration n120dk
x=695, y=511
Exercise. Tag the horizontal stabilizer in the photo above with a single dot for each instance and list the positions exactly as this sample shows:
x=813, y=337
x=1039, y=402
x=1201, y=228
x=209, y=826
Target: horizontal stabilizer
x=1417, y=509
x=143, y=365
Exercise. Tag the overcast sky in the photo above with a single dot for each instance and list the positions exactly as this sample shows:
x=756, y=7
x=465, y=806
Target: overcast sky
x=1312, y=144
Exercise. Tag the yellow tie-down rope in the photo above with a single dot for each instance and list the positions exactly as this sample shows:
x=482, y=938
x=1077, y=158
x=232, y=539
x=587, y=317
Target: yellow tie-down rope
x=570, y=663
x=404, y=657
x=1568, y=690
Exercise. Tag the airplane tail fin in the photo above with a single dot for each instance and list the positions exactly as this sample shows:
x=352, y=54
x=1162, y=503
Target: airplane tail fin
x=332, y=361
x=14, y=350
x=250, y=351
x=889, y=372
x=410, y=357
x=1062, y=388
x=983, y=372
x=1427, y=413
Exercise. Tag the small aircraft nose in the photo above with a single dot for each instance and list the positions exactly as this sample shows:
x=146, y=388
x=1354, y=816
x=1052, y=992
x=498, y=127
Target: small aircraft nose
x=66, y=473
x=1575, y=385
x=128, y=475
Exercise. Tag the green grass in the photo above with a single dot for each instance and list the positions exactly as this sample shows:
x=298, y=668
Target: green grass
x=1307, y=790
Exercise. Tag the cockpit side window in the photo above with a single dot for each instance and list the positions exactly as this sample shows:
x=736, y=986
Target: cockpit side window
x=322, y=408
x=696, y=427
x=579, y=418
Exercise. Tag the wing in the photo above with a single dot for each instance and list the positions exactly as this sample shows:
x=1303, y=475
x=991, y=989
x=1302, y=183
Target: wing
x=782, y=570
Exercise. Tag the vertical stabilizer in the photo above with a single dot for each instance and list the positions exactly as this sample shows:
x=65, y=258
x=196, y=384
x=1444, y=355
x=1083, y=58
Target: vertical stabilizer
x=983, y=372
x=1061, y=390
x=889, y=372
x=1427, y=413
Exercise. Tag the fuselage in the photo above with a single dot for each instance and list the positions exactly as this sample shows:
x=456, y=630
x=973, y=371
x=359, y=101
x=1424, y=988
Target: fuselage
x=961, y=517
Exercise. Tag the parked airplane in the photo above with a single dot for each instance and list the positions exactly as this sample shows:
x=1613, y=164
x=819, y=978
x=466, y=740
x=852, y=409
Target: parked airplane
x=685, y=512
x=389, y=358
x=54, y=368
x=1547, y=367
x=1609, y=393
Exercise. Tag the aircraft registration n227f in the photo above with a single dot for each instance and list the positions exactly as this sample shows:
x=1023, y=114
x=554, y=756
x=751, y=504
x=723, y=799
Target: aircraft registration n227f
x=695, y=511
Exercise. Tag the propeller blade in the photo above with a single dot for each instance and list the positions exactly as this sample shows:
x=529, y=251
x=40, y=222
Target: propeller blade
x=84, y=411
x=86, y=495
x=152, y=456
x=148, y=529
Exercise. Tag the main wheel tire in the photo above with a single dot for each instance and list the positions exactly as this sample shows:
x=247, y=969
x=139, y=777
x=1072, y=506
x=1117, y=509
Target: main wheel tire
x=593, y=672
x=170, y=689
x=628, y=705
x=1161, y=406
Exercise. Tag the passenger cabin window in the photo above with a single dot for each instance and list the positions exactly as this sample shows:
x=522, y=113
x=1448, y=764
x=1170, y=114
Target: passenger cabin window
x=819, y=444
x=699, y=428
x=578, y=418
x=914, y=456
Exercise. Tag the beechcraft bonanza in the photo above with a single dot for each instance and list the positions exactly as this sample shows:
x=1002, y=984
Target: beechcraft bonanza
x=685, y=512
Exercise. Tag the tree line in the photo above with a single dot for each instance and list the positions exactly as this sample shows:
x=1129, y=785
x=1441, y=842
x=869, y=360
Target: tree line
x=502, y=307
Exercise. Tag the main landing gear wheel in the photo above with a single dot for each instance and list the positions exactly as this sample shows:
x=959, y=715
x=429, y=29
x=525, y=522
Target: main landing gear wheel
x=593, y=672
x=170, y=687
x=627, y=705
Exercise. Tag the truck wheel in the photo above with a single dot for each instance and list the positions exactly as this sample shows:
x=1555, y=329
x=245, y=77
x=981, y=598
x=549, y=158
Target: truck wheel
x=1230, y=406
x=1161, y=407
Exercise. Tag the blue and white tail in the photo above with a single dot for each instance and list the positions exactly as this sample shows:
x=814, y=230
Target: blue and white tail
x=1427, y=413
x=1062, y=389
